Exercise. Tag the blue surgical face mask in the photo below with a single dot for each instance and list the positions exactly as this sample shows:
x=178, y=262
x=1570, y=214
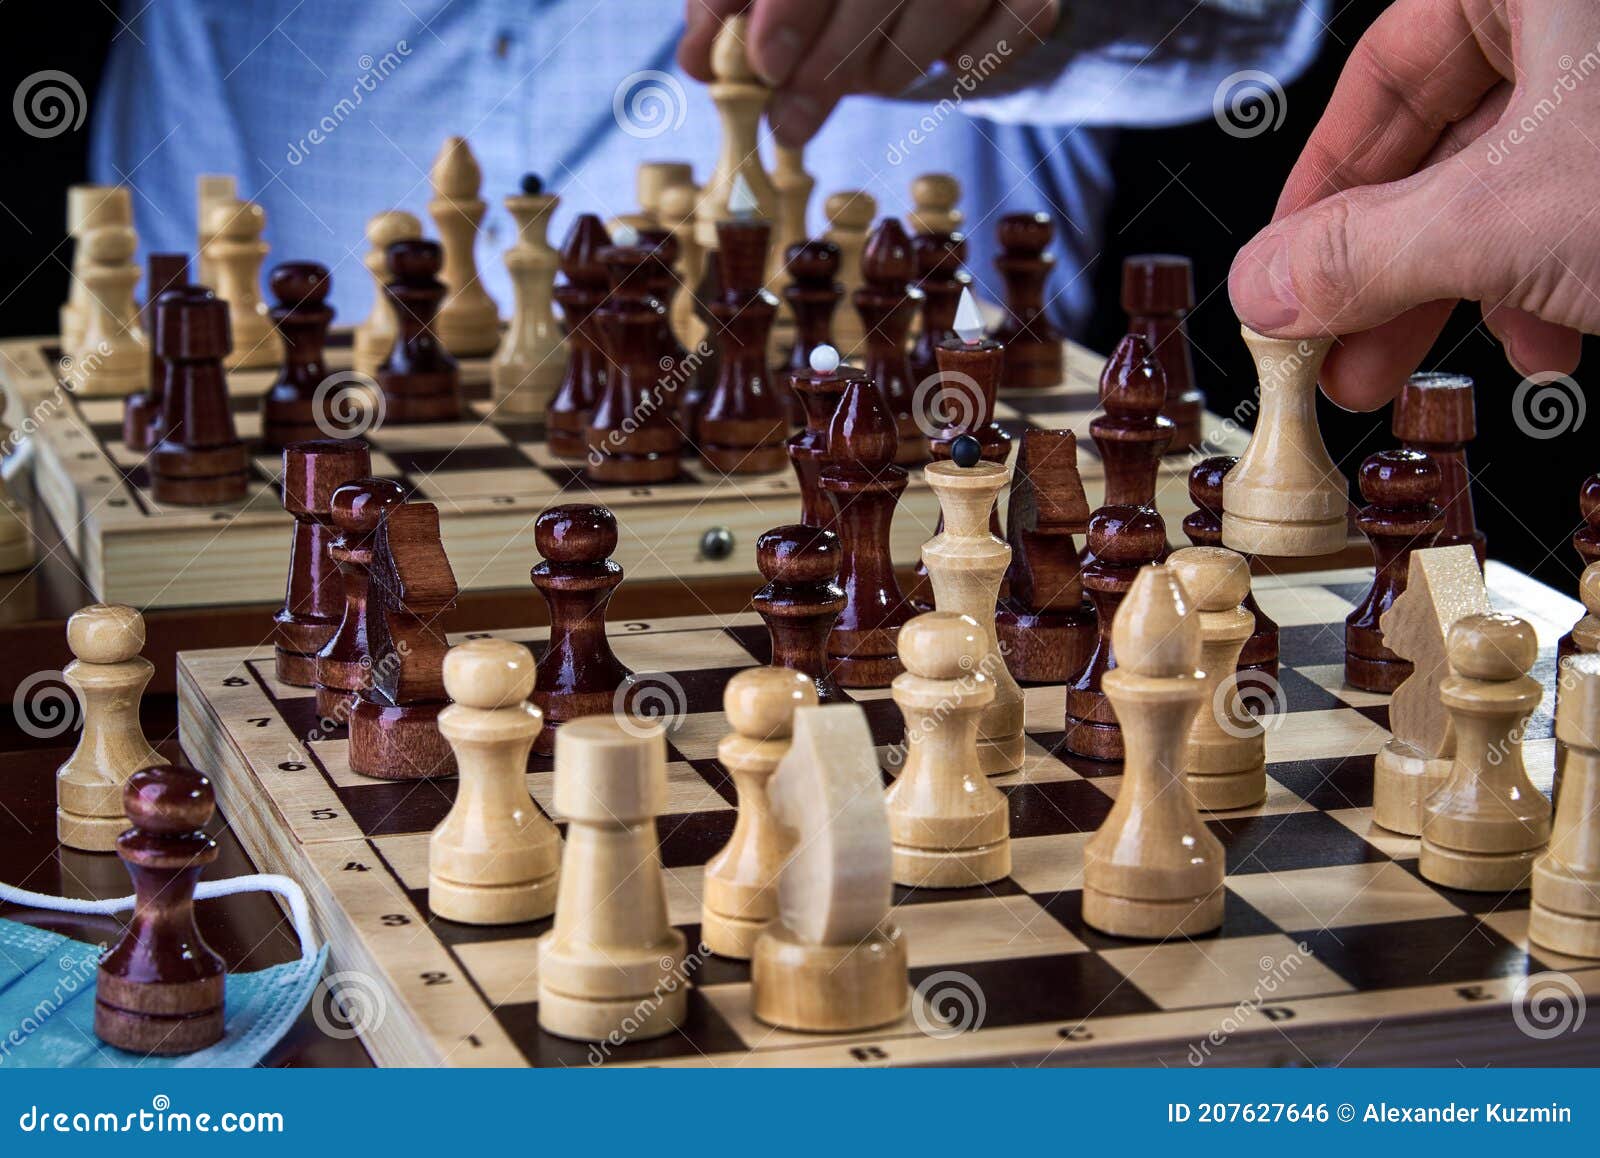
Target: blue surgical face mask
x=47, y=989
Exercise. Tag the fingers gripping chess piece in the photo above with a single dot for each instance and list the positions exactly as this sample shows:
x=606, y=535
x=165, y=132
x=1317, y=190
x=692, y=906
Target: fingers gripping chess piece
x=374, y=338
x=741, y=893
x=1565, y=914
x=495, y=857
x=527, y=367
x=469, y=323
x=109, y=677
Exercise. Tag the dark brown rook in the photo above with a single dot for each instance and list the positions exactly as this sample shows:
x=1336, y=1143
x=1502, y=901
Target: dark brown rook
x=1157, y=295
x=1122, y=539
x=566, y=418
x=160, y=990
x=344, y=665
x=1586, y=542
x=801, y=600
x=941, y=278
x=887, y=302
x=314, y=601
x=577, y=675
x=420, y=380
x=819, y=394
x=813, y=294
x=1204, y=529
x=631, y=436
x=1032, y=342
x=141, y=412
x=302, y=315
x=742, y=423
x=1132, y=434
x=1435, y=414
x=199, y=460
x=1400, y=487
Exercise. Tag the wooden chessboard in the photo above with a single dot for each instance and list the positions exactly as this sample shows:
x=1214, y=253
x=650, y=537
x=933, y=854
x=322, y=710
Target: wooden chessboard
x=490, y=478
x=1333, y=947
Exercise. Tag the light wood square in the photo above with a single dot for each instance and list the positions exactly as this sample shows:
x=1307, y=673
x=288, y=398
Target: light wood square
x=407, y=856
x=437, y=435
x=1394, y=844
x=1346, y=894
x=1330, y=678
x=334, y=755
x=988, y=929
x=1039, y=766
x=1335, y=733
x=696, y=736
x=685, y=890
x=247, y=425
x=258, y=497
x=1049, y=864
x=267, y=670
x=1512, y=924
x=506, y=971
x=1298, y=606
x=670, y=651
x=447, y=486
x=687, y=792
x=539, y=454
x=100, y=410
x=119, y=453
x=1224, y=971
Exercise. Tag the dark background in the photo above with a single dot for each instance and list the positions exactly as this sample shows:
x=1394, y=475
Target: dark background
x=1192, y=190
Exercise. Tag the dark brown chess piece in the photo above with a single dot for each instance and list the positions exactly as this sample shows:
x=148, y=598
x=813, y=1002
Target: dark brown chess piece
x=314, y=602
x=1032, y=342
x=708, y=355
x=813, y=296
x=1435, y=414
x=861, y=478
x=819, y=392
x=631, y=438
x=1400, y=487
x=1203, y=526
x=566, y=419
x=394, y=733
x=1157, y=295
x=344, y=665
x=941, y=278
x=1045, y=625
x=741, y=425
x=199, y=460
x=801, y=600
x=420, y=380
x=302, y=315
x=578, y=675
x=662, y=284
x=160, y=990
x=141, y=412
x=1121, y=540
x=887, y=301
x=1132, y=434
x=1585, y=541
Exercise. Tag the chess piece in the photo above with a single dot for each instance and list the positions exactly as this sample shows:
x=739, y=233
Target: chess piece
x=1285, y=496
x=1157, y=295
x=1400, y=487
x=1586, y=542
x=833, y=961
x=141, y=411
x=708, y=352
x=652, y=179
x=314, y=601
x=819, y=388
x=495, y=857
x=374, y=338
x=1443, y=586
x=199, y=460
x=160, y=989
x=1153, y=869
x=850, y=215
x=211, y=190
x=89, y=207
x=1033, y=344
x=578, y=674
x=1204, y=528
x=1565, y=913
x=1045, y=626
x=237, y=252
x=1121, y=540
x=526, y=369
x=419, y=380
x=793, y=187
x=583, y=378
x=965, y=565
x=468, y=322
x=394, y=731
x=969, y=367
x=1226, y=762
x=1586, y=632
x=741, y=881
x=861, y=478
x=660, y=280
x=344, y=665
x=113, y=354
x=1435, y=414
x=677, y=216
x=631, y=438
x=16, y=539
x=740, y=98
x=801, y=600
x=1486, y=824
x=108, y=677
x=290, y=409
x=812, y=296
x=886, y=303
x=612, y=966
x=941, y=281
x=933, y=205
x=950, y=826
x=1132, y=434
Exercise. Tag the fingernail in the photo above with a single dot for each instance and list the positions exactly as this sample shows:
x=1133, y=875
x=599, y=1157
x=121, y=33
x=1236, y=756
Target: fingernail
x=794, y=117
x=1263, y=291
x=781, y=53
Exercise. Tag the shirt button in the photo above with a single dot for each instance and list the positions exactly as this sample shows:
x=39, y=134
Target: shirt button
x=502, y=45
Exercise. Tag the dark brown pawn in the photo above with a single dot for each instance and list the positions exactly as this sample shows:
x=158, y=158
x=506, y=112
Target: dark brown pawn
x=662, y=284
x=577, y=675
x=303, y=316
x=1121, y=539
x=631, y=437
x=1032, y=342
x=1585, y=541
x=420, y=380
x=1400, y=487
x=1132, y=434
x=199, y=460
x=344, y=665
x=741, y=425
x=394, y=733
x=813, y=295
x=1157, y=295
x=1435, y=414
x=860, y=477
x=160, y=990
x=801, y=601
x=314, y=602
x=566, y=418
x=1045, y=625
x=808, y=450
x=887, y=301
x=1204, y=528
x=141, y=412
x=941, y=278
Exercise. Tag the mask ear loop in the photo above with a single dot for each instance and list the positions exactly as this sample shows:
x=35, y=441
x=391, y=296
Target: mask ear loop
x=290, y=891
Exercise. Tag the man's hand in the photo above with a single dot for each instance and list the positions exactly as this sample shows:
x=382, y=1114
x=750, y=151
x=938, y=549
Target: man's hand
x=815, y=51
x=1458, y=158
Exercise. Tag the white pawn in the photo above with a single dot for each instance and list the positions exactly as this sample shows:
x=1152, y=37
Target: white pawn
x=109, y=677
x=612, y=964
x=1565, y=914
x=849, y=215
x=933, y=204
x=468, y=323
x=528, y=366
x=88, y=207
x=237, y=252
x=950, y=826
x=741, y=882
x=374, y=338
x=113, y=356
x=495, y=857
x=211, y=190
x=16, y=540
x=1586, y=632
